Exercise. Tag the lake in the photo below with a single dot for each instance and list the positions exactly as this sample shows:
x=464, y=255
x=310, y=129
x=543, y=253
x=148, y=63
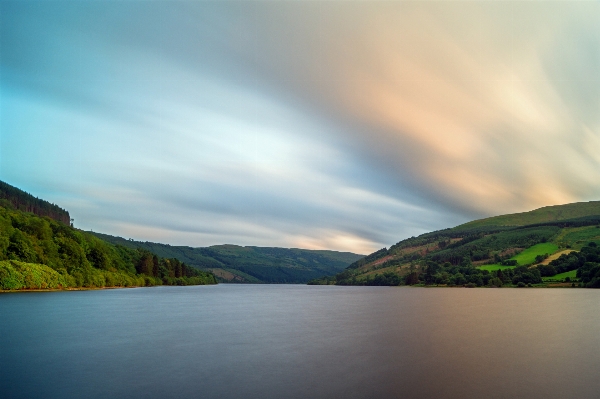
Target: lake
x=293, y=341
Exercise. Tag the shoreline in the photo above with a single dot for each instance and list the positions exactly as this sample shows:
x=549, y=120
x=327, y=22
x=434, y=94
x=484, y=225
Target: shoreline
x=91, y=288
x=67, y=289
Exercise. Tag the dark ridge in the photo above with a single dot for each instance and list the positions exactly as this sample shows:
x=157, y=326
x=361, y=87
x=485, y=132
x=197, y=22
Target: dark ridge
x=260, y=264
x=15, y=198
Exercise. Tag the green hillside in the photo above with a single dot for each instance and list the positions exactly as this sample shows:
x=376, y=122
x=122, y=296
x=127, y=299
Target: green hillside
x=41, y=253
x=233, y=263
x=502, y=250
x=541, y=215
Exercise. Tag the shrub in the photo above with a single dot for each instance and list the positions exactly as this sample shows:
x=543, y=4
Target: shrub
x=16, y=275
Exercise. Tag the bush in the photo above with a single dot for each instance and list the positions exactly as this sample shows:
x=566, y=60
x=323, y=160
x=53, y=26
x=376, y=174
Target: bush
x=495, y=282
x=15, y=275
x=546, y=270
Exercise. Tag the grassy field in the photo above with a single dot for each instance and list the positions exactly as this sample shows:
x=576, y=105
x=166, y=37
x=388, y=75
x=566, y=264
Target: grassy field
x=572, y=274
x=527, y=256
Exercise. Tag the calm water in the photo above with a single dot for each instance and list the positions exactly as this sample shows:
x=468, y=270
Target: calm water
x=278, y=341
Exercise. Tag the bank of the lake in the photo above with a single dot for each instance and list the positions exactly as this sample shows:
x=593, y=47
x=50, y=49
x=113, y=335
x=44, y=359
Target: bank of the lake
x=290, y=341
x=64, y=289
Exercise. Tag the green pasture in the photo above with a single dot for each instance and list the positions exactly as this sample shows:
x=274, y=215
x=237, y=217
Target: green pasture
x=527, y=256
x=541, y=215
x=559, y=277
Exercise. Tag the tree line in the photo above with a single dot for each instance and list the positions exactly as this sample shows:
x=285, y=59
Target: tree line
x=15, y=198
x=430, y=273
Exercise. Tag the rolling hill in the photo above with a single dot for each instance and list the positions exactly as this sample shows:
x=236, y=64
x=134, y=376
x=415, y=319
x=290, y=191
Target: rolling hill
x=545, y=214
x=474, y=252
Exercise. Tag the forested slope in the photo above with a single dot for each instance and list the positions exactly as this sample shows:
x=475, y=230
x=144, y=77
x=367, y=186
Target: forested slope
x=41, y=252
x=15, y=198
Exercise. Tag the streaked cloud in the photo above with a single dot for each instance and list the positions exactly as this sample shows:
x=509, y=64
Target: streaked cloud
x=343, y=125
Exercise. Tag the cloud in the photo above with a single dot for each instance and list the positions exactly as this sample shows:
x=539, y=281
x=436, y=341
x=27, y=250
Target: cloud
x=315, y=124
x=465, y=112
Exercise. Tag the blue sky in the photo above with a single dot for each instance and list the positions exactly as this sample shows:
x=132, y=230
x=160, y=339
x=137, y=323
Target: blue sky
x=322, y=125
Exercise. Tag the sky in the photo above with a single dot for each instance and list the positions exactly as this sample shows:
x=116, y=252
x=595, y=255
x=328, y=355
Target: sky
x=312, y=124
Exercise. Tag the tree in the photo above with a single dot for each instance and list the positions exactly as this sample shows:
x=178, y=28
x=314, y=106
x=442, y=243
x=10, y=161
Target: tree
x=411, y=278
x=546, y=270
x=155, y=262
x=145, y=264
x=495, y=282
x=459, y=279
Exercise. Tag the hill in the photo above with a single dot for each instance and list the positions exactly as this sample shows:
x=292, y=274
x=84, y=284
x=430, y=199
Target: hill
x=514, y=246
x=39, y=252
x=546, y=214
x=233, y=263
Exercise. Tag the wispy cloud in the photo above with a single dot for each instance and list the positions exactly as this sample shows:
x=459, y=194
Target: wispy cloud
x=313, y=124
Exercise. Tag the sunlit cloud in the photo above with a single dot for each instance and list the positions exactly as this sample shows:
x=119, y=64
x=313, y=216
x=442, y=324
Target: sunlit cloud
x=488, y=127
x=334, y=125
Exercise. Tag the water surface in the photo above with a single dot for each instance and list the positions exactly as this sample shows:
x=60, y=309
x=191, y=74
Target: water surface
x=290, y=341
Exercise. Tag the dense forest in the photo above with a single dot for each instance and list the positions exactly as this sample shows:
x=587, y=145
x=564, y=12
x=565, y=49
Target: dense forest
x=233, y=263
x=41, y=252
x=18, y=199
x=557, y=249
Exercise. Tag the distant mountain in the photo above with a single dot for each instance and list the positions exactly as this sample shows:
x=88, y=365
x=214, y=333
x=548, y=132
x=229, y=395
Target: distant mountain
x=18, y=199
x=521, y=245
x=233, y=263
